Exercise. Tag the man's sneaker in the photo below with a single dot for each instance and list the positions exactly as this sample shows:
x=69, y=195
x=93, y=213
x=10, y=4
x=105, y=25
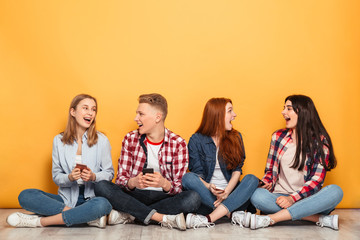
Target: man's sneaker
x=116, y=217
x=197, y=220
x=242, y=218
x=174, y=221
x=19, y=219
x=258, y=221
x=330, y=221
x=100, y=222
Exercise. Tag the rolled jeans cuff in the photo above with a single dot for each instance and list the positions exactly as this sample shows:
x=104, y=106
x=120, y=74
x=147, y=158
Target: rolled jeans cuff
x=148, y=217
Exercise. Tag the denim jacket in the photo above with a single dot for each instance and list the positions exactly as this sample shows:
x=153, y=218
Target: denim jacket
x=202, y=158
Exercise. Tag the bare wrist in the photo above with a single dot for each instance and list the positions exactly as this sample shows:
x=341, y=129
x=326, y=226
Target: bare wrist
x=129, y=184
x=166, y=186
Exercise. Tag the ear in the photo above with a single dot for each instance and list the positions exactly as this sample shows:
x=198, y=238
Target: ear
x=158, y=117
x=72, y=112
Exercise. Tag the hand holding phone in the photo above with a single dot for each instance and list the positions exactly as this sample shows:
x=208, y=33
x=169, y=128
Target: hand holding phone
x=81, y=166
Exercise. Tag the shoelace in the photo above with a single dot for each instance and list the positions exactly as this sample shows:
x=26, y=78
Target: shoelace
x=127, y=221
x=266, y=222
x=237, y=220
x=27, y=221
x=198, y=222
x=166, y=224
x=319, y=224
x=124, y=219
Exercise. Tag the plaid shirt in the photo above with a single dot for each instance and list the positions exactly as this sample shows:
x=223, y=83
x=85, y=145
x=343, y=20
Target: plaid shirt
x=173, y=159
x=315, y=172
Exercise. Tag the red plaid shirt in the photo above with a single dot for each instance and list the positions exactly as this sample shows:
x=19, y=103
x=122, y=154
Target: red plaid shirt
x=315, y=172
x=173, y=159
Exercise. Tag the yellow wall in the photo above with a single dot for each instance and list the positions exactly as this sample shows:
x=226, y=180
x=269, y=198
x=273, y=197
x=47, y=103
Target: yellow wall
x=254, y=52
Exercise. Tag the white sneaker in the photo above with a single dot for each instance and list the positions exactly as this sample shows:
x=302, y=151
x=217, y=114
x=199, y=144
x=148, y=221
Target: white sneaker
x=116, y=217
x=196, y=220
x=330, y=221
x=19, y=219
x=174, y=221
x=100, y=222
x=258, y=221
x=242, y=218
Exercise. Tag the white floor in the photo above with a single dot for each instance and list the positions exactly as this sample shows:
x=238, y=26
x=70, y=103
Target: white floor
x=349, y=229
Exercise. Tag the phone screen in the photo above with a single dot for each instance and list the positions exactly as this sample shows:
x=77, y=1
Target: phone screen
x=147, y=170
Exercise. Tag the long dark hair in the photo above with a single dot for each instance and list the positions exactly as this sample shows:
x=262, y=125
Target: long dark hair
x=311, y=134
x=213, y=124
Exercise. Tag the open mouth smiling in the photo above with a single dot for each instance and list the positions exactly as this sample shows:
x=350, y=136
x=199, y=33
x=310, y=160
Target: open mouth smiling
x=88, y=120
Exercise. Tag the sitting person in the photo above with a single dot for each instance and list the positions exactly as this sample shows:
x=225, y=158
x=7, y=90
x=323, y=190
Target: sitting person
x=216, y=156
x=298, y=160
x=152, y=163
x=81, y=156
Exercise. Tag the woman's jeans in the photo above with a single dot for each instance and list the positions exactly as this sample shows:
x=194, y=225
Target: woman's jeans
x=142, y=204
x=322, y=202
x=237, y=200
x=47, y=204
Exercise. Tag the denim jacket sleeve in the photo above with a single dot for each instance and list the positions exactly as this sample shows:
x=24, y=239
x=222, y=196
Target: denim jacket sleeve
x=239, y=167
x=195, y=165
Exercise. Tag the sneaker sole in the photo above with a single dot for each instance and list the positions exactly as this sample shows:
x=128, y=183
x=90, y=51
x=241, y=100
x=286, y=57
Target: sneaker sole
x=188, y=217
x=247, y=219
x=181, y=223
x=336, y=222
x=110, y=217
x=253, y=222
x=103, y=220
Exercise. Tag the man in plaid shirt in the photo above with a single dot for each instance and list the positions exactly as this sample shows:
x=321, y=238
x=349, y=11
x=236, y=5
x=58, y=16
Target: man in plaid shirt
x=152, y=163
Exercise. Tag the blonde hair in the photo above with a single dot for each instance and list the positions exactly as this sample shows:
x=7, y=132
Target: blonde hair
x=69, y=135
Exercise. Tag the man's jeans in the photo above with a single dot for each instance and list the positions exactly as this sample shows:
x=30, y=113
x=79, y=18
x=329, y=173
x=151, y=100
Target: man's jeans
x=142, y=204
x=322, y=202
x=47, y=204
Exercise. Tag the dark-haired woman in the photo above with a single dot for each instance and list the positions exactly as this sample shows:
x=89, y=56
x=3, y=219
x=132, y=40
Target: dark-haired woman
x=75, y=202
x=216, y=156
x=298, y=160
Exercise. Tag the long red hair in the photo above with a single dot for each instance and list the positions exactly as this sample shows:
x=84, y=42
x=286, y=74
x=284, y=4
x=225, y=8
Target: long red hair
x=213, y=124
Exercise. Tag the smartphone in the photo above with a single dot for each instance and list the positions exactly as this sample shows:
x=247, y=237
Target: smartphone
x=261, y=183
x=147, y=170
x=81, y=166
x=220, y=190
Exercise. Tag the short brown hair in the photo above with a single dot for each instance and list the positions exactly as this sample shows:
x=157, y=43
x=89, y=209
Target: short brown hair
x=155, y=100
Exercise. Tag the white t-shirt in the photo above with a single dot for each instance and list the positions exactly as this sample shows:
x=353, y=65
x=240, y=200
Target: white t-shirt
x=218, y=178
x=153, y=160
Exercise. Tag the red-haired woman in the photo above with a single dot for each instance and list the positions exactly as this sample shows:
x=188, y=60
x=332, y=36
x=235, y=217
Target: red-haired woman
x=75, y=202
x=216, y=156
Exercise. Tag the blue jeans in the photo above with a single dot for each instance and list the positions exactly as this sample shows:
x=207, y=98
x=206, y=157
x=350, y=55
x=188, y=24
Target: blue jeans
x=237, y=200
x=322, y=202
x=142, y=204
x=47, y=204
